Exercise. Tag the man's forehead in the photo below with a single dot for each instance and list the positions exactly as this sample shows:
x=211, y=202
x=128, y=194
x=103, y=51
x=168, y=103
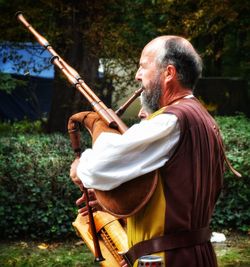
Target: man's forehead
x=148, y=55
x=152, y=49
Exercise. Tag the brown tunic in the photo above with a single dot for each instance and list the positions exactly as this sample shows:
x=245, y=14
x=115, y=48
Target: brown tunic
x=192, y=181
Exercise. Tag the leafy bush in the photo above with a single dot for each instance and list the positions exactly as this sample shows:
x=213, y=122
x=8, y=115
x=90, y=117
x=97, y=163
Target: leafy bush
x=21, y=127
x=232, y=209
x=8, y=83
x=37, y=197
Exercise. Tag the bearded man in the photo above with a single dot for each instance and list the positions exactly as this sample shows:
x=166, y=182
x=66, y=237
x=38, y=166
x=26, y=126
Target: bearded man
x=181, y=142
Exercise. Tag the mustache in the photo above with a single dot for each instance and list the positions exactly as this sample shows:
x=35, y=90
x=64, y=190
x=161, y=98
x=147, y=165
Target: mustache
x=142, y=86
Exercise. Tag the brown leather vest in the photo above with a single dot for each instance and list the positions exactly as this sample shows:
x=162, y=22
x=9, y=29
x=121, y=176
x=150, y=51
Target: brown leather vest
x=192, y=180
x=193, y=176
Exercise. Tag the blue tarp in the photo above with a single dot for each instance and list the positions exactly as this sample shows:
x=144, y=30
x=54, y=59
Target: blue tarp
x=25, y=59
x=29, y=62
x=27, y=102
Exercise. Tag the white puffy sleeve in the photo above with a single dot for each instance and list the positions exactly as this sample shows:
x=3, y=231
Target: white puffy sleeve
x=115, y=159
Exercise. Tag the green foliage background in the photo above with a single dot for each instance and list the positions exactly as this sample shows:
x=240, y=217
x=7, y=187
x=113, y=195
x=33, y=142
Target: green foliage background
x=118, y=30
x=37, y=197
x=232, y=210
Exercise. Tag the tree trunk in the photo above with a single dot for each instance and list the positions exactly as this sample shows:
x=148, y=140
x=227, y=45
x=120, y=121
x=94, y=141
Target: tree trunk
x=66, y=100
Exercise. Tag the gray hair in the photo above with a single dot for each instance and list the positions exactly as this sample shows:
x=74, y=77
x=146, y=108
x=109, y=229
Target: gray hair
x=181, y=54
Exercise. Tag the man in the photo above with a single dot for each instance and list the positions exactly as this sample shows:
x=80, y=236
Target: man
x=181, y=142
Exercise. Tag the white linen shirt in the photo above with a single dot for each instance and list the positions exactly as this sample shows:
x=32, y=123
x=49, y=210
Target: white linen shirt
x=115, y=159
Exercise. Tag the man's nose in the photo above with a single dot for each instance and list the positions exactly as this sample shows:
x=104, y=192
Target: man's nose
x=138, y=74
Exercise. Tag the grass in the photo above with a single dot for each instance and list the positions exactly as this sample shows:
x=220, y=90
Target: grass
x=34, y=254
x=235, y=252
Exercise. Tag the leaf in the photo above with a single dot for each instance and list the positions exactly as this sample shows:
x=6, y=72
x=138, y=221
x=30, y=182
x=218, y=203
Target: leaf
x=43, y=246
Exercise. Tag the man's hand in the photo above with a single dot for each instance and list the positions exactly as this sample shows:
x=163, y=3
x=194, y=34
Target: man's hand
x=93, y=203
x=73, y=174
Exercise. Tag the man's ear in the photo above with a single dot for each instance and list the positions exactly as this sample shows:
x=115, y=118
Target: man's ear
x=169, y=73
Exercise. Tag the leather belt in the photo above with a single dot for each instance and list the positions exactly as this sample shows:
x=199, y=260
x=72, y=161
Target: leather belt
x=167, y=242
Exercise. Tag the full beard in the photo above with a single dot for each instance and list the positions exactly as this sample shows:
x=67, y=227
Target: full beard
x=150, y=96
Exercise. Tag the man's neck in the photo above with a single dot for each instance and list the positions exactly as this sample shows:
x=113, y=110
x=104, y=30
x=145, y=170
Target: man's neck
x=170, y=96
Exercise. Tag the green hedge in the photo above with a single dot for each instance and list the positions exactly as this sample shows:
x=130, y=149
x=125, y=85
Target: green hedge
x=232, y=209
x=36, y=194
x=37, y=197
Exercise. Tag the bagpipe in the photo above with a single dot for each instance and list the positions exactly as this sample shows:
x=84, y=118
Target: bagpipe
x=101, y=230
